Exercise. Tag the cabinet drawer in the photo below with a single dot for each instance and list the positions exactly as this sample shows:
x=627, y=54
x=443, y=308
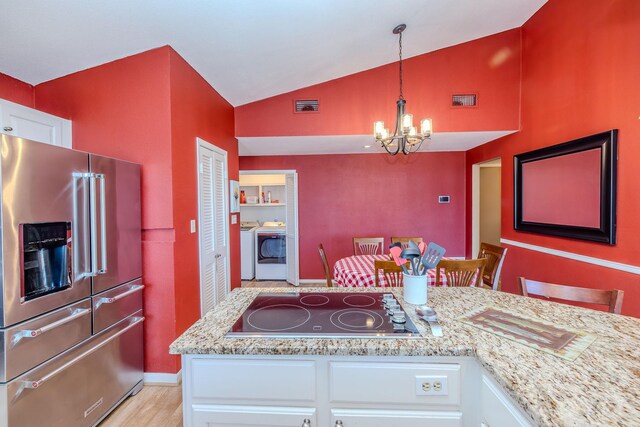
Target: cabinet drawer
x=80, y=385
x=111, y=306
x=386, y=418
x=232, y=415
x=402, y=383
x=249, y=379
x=30, y=343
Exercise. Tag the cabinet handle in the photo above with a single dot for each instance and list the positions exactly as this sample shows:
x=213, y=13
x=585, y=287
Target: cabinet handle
x=338, y=423
x=7, y=128
x=306, y=422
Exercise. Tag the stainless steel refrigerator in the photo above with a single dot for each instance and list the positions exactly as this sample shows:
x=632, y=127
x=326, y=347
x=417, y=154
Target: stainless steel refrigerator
x=71, y=288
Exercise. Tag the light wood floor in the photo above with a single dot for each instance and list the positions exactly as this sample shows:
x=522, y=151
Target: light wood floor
x=154, y=406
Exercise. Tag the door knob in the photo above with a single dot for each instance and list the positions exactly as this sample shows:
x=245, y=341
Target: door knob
x=339, y=423
x=306, y=422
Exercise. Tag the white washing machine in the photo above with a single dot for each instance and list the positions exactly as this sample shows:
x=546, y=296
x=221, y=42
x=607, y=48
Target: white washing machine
x=247, y=249
x=271, y=251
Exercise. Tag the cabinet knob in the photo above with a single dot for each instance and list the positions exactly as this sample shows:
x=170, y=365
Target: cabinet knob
x=7, y=128
x=338, y=423
x=306, y=422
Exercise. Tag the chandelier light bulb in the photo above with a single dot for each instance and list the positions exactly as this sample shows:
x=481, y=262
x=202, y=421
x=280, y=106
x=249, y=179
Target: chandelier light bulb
x=407, y=122
x=425, y=127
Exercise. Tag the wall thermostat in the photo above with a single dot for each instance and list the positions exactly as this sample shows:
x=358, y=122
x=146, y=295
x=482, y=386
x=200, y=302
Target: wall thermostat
x=444, y=199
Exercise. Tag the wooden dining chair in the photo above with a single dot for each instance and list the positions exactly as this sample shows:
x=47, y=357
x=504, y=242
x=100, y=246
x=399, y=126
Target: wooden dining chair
x=612, y=299
x=325, y=264
x=391, y=272
x=495, y=258
x=404, y=241
x=460, y=273
x=368, y=245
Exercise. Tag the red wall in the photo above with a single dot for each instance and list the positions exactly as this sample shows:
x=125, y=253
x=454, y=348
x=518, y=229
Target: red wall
x=15, y=90
x=580, y=68
x=340, y=197
x=349, y=105
x=197, y=110
x=149, y=108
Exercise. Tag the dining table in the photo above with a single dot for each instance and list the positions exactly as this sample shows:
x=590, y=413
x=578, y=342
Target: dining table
x=357, y=271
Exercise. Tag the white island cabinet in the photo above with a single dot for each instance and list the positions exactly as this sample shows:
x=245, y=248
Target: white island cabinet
x=310, y=391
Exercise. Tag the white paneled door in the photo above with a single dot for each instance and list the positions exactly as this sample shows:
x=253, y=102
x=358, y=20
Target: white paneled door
x=213, y=231
x=292, y=228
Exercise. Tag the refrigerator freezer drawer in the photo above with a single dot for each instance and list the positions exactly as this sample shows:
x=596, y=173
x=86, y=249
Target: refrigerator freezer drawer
x=80, y=386
x=111, y=306
x=30, y=343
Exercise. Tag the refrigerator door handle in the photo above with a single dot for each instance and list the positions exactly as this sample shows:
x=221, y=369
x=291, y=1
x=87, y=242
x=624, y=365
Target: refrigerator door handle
x=94, y=227
x=103, y=226
x=32, y=384
x=75, y=236
x=32, y=333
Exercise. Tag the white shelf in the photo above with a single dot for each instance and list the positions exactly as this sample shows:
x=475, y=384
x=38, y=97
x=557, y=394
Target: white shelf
x=262, y=204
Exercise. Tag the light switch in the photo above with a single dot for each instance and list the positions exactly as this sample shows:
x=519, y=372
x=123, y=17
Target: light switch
x=234, y=219
x=193, y=225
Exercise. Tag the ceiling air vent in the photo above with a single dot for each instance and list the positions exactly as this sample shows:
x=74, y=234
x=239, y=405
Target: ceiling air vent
x=306, y=105
x=466, y=100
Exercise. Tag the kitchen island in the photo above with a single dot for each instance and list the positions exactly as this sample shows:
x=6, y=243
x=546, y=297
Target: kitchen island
x=294, y=381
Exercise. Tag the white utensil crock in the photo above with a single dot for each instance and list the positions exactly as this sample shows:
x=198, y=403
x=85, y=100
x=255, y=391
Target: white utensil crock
x=415, y=289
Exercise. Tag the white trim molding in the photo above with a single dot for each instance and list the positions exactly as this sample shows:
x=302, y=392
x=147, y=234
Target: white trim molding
x=162, y=378
x=633, y=269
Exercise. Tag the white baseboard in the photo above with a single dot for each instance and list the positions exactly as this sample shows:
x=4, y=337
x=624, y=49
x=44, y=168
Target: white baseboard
x=321, y=282
x=576, y=257
x=161, y=378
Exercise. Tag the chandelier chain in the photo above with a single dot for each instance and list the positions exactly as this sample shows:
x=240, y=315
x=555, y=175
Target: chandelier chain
x=400, y=55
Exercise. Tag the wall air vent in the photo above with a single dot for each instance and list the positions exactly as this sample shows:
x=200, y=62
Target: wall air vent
x=306, y=105
x=464, y=100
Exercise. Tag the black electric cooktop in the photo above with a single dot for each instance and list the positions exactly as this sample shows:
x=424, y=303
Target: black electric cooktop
x=324, y=315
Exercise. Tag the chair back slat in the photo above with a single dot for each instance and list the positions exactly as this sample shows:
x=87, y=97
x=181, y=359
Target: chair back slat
x=460, y=272
x=495, y=258
x=612, y=299
x=404, y=241
x=368, y=245
x=325, y=265
x=391, y=272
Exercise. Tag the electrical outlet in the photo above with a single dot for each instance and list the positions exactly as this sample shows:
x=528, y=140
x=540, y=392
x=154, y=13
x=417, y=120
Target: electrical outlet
x=192, y=224
x=435, y=385
x=234, y=219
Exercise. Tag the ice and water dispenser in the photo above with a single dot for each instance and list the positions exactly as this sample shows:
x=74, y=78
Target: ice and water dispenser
x=46, y=253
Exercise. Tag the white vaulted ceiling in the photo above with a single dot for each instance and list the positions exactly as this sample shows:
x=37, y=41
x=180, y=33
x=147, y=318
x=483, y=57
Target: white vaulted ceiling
x=246, y=49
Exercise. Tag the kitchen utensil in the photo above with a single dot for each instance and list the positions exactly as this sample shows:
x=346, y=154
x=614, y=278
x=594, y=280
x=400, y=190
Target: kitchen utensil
x=430, y=316
x=422, y=246
x=413, y=245
x=432, y=256
x=396, y=252
x=413, y=255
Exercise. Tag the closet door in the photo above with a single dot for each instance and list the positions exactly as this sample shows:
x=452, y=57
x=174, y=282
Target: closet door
x=213, y=234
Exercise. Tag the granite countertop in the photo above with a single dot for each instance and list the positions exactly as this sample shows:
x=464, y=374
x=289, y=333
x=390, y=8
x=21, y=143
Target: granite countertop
x=600, y=387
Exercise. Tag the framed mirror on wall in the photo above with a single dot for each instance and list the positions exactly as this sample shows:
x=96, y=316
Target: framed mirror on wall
x=569, y=189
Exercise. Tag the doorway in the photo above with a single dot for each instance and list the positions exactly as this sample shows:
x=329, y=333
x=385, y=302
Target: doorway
x=486, y=203
x=272, y=196
x=213, y=218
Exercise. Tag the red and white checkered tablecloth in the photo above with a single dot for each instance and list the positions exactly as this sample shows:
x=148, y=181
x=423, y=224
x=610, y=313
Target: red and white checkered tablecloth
x=357, y=271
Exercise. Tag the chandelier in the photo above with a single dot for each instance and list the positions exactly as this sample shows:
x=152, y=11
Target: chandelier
x=405, y=138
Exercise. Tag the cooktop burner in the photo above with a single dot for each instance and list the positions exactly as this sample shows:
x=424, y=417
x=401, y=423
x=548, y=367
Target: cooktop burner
x=324, y=314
